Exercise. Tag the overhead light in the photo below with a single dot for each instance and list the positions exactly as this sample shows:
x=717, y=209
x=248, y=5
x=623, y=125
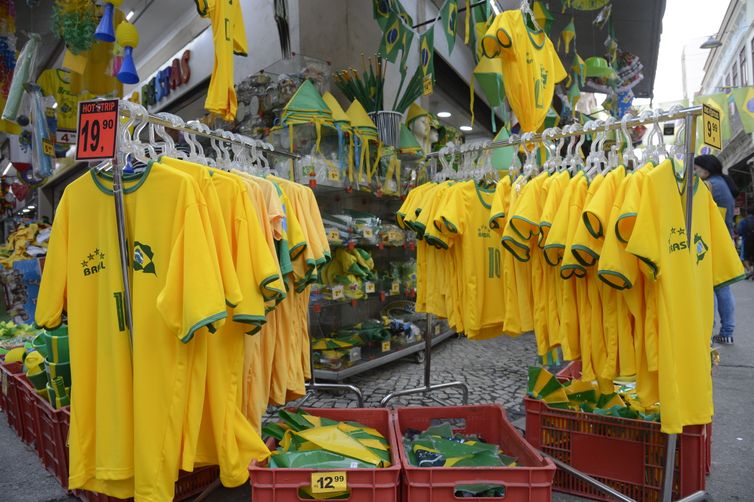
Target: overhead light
x=444, y=115
x=31, y=207
x=7, y=168
x=466, y=128
x=711, y=43
x=129, y=15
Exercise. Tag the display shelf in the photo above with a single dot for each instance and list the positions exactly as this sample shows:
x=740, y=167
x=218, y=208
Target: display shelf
x=321, y=189
x=383, y=296
x=351, y=245
x=388, y=357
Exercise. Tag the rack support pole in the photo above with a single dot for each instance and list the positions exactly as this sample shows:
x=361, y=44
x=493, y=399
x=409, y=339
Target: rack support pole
x=120, y=220
x=428, y=387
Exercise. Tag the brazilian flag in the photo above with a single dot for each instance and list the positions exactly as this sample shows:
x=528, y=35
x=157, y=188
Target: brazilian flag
x=744, y=99
x=381, y=11
x=392, y=39
x=426, y=52
x=449, y=16
x=408, y=38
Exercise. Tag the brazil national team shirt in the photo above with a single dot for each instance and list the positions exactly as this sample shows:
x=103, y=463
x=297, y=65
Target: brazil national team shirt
x=127, y=411
x=685, y=275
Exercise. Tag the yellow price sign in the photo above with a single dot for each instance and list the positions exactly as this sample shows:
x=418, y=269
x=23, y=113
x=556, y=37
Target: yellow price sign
x=395, y=288
x=711, y=126
x=368, y=233
x=427, y=85
x=329, y=482
x=47, y=147
x=333, y=174
x=333, y=235
x=386, y=346
x=369, y=287
x=337, y=292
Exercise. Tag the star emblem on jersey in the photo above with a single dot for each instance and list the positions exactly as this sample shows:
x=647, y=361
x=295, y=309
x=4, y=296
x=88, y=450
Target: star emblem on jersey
x=93, y=263
x=143, y=256
x=701, y=248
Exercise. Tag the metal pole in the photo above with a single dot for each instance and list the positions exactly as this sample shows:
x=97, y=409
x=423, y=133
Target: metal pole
x=120, y=221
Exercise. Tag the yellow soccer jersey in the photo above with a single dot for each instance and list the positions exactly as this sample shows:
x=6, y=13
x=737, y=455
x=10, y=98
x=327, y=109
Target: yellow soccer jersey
x=659, y=239
x=466, y=213
x=126, y=420
x=58, y=84
x=435, y=256
x=229, y=38
x=531, y=66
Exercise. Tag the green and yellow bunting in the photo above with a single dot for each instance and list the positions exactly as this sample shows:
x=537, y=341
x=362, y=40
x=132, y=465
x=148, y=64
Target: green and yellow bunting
x=449, y=16
x=542, y=15
x=426, y=52
x=743, y=97
x=567, y=36
x=381, y=12
x=392, y=38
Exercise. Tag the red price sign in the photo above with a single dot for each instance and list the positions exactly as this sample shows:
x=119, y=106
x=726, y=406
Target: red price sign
x=97, y=130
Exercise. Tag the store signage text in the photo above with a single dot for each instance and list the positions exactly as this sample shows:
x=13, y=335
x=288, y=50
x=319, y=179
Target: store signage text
x=166, y=80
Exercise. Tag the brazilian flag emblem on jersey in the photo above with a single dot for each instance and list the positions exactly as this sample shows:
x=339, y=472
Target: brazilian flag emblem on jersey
x=701, y=248
x=449, y=22
x=426, y=52
x=392, y=39
x=143, y=256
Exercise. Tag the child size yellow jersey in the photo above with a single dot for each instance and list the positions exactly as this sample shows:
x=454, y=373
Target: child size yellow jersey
x=466, y=213
x=434, y=263
x=58, y=84
x=531, y=66
x=686, y=267
x=229, y=38
x=127, y=412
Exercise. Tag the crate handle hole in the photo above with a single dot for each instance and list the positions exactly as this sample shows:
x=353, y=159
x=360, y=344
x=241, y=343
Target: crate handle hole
x=479, y=490
x=304, y=493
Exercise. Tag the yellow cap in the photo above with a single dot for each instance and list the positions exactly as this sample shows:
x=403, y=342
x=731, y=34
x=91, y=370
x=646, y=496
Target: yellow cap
x=359, y=117
x=338, y=115
x=126, y=35
x=414, y=112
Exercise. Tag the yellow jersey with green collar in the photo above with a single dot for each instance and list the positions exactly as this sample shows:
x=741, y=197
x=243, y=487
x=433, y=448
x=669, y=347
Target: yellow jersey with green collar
x=466, y=213
x=531, y=66
x=432, y=295
x=58, y=84
x=229, y=38
x=138, y=409
x=659, y=240
x=512, y=317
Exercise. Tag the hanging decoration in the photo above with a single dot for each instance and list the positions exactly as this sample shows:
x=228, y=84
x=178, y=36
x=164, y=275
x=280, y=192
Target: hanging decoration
x=128, y=38
x=542, y=15
x=449, y=15
x=106, y=27
x=75, y=22
x=427, y=52
x=567, y=36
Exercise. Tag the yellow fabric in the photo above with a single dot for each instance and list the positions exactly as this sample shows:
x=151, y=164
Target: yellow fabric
x=531, y=66
x=57, y=83
x=126, y=424
x=92, y=71
x=659, y=240
x=229, y=38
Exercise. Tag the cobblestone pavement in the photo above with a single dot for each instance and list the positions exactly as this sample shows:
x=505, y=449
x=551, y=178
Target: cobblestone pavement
x=494, y=370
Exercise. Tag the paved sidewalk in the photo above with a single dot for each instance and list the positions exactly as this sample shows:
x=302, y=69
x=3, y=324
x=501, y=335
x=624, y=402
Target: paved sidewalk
x=495, y=371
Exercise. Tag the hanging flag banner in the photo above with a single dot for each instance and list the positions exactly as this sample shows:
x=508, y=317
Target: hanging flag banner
x=427, y=52
x=97, y=130
x=381, y=12
x=743, y=97
x=392, y=39
x=449, y=16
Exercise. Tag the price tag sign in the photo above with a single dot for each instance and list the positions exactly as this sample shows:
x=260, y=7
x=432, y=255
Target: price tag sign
x=386, y=346
x=369, y=287
x=333, y=174
x=329, y=482
x=395, y=288
x=711, y=125
x=437, y=329
x=97, y=129
x=333, y=235
x=337, y=292
x=65, y=137
x=368, y=233
x=427, y=85
x=47, y=148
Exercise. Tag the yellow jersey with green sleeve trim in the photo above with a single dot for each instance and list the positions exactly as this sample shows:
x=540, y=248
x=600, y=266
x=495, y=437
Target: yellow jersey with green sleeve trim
x=139, y=410
x=466, y=213
x=531, y=66
x=436, y=257
x=408, y=203
x=228, y=36
x=500, y=203
x=659, y=239
x=57, y=83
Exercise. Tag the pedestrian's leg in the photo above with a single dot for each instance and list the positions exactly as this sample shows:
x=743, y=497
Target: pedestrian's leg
x=726, y=307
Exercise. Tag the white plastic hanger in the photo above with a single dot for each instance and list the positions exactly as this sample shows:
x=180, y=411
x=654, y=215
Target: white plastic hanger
x=630, y=160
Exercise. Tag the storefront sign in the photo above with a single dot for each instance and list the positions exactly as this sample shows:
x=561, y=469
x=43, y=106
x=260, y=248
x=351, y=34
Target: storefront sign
x=166, y=80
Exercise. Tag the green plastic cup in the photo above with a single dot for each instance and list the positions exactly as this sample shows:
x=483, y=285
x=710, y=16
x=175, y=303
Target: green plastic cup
x=40, y=344
x=58, y=401
x=57, y=348
x=55, y=370
x=37, y=377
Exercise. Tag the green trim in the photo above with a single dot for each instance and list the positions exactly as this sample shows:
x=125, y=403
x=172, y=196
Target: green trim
x=597, y=234
x=420, y=229
x=484, y=49
x=449, y=225
x=610, y=273
x=298, y=248
x=249, y=319
x=211, y=328
x=141, y=179
x=493, y=220
x=592, y=254
x=531, y=32
x=731, y=281
x=542, y=236
x=531, y=234
x=506, y=244
x=435, y=241
x=479, y=191
x=502, y=44
x=202, y=12
x=577, y=268
x=244, y=54
x=228, y=304
x=204, y=322
x=650, y=264
x=617, y=228
x=552, y=246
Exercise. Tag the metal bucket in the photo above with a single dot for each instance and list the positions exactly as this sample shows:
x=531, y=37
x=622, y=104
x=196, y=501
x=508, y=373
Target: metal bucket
x=388, y=126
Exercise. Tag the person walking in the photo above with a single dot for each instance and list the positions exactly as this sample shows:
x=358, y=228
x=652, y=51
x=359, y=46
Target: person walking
x=746, y=230
x=724, y=191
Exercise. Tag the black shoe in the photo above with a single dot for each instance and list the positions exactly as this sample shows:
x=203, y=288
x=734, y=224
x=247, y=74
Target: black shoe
x=724, y=340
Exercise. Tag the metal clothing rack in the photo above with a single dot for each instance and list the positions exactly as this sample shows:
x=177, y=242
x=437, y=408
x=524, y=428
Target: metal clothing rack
x=688, y=115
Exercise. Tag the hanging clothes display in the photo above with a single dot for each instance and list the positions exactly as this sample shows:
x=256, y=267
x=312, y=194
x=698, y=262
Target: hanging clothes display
x=592, y=263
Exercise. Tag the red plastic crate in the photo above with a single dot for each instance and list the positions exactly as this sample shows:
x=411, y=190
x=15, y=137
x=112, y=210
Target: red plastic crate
x=571, y=371
x=365, y=485
x=52, y=437
x=9, y=395
x=530, y=481
x=27, y=409
x=628, y=455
